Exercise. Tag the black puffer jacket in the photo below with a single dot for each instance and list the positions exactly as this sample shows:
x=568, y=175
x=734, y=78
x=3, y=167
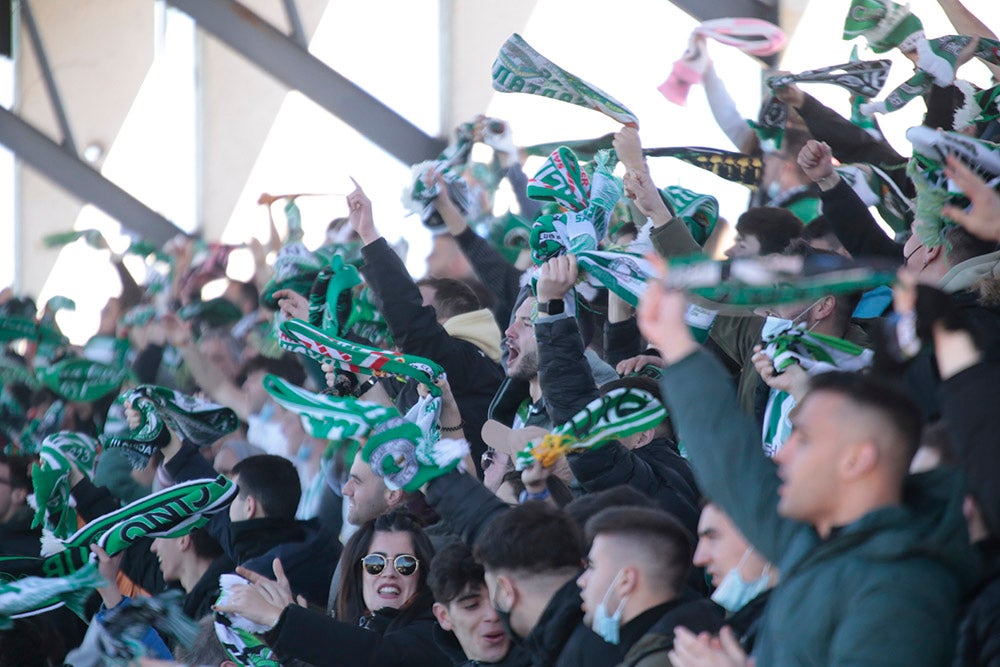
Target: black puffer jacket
x=308, y=553
x=473, y=377
x=388, y=638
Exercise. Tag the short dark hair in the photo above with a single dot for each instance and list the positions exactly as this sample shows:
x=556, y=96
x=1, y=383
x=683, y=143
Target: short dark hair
x=534, y=537
x=286, y=366
x=205, y=546
x=451, y=297
x=774, y=227
x=668, y=545
x=452, y=571
x=591, y=504
x=888, y=399
x=273, y=481
x=20, y=477
x=350, y=601
x=821, y=261
x=961, y=245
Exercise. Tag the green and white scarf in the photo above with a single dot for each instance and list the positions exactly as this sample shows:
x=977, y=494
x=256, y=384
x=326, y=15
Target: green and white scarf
x=580, y=230
x=50, y=479
x=93, y=238
x=698, y=212
x=618, y=414
x=926, y=170
x=762, y=281
x=815, y=353
x=301, y=337
x=36, y=595
x=82, y=380
x=124, y=627
x=406, y=458
x=238, y=635
x=885, y=24
x=218, y=312
x=331, y=296
x=192, y=419
x=328, y=417
x=172, y=512
x=518, y=68
x=876, y=188
x=13, y=327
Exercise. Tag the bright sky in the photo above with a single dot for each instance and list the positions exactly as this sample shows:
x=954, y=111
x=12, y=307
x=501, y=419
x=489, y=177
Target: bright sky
x=625, y=53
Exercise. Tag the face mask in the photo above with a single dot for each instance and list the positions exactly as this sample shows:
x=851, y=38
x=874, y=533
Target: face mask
x=305, y=451
x=773, y=190
x=774, y=326
x=605, y=626
x=734, y=593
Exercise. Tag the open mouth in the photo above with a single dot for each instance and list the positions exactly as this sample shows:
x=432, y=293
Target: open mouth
x=512, y=355
x=389, y=591
x=494, y=638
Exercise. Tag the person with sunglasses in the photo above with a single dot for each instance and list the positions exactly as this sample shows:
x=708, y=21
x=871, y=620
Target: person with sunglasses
x=384, y=612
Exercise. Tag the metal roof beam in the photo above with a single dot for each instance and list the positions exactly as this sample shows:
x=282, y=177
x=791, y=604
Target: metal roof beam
x=278, y=55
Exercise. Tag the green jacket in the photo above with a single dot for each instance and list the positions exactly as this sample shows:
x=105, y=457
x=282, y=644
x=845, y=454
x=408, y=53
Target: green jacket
x=884, y=590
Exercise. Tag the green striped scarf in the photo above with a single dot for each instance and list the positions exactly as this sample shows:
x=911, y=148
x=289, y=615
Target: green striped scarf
x=328, y=417
x=50, y=479
x=406, y=458
x=619, y=413
x=518, y=68
x=303, y=338
x=82, y=380
x=36, y=595
x=172, y=512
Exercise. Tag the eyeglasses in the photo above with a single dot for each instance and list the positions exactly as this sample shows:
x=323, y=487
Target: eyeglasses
x=405, y=564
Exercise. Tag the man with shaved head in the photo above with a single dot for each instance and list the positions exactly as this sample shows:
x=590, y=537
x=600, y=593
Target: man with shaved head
x=874, y=562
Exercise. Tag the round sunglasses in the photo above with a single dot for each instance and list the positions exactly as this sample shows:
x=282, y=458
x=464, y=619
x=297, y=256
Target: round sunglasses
x=404, y=564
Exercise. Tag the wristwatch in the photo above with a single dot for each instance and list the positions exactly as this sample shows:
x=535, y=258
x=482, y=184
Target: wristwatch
x=556, y=307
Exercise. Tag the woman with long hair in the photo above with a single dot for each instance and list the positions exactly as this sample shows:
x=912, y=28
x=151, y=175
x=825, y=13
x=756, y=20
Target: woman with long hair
x=384, y=616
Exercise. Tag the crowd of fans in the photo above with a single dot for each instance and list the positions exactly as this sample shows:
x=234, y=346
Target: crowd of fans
x=516, y=460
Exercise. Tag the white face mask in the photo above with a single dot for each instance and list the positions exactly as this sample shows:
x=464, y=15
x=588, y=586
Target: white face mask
x=773, y=190
x=734, y=593
x=774, y=325
x=608, y=627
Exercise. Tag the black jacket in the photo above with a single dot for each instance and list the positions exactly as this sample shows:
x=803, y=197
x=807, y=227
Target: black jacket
x=141, y=565
x=745, y=622
x=308, y=553
x=652, y=632
x=386, y=639
x=474, y=378
x=448, y=644
x=979, y=632
x=551, y=635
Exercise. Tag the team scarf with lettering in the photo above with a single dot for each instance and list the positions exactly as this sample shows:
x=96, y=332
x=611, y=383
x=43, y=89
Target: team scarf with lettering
x=163, y=410
x=934, y=190
x=239, y=635
x=876, y=188
x=420, y=196
x=15, y=327
x=583, y=225
x=331, y=302
x=50, y=479
x=865, y=78
x=698, y=212
x=733, y=167
x=82, y=380
x=814, y=352
x=518, y=68
x=936, y=66
x=762, y=281
x=618, y=414
x=29, y=596
x=303, y=338
x=172, y=512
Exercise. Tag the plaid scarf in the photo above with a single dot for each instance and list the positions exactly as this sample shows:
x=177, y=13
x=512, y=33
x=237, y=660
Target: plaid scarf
x=303, y=338
x=619, y=413
x=172, y=512
x=518, y=68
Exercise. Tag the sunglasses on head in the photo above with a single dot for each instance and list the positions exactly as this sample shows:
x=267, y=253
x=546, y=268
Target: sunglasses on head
x=405, y=564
